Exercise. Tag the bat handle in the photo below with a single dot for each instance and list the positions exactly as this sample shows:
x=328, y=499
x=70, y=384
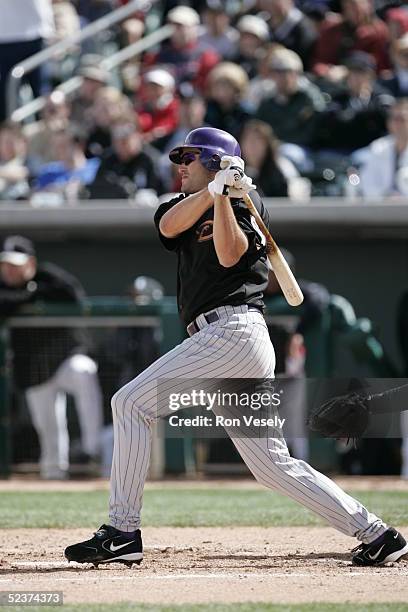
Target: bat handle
x=225, y=191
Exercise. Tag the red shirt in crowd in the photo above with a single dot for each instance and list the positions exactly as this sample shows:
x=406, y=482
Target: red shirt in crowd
x=338, y=39
x=190, y=63
x=159, y=122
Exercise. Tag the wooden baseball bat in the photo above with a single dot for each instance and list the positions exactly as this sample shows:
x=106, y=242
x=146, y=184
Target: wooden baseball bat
x=283, y=273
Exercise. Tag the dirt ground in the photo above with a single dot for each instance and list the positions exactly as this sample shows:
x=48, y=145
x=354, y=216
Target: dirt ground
x=191, y=565
x=201, y=565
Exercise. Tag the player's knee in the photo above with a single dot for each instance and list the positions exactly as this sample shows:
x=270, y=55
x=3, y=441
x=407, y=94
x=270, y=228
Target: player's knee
x=117, y=403
x=83, y=364
x=122, y=401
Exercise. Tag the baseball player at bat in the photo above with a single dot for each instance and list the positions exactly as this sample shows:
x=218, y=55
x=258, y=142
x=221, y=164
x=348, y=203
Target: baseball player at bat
x=222, y=273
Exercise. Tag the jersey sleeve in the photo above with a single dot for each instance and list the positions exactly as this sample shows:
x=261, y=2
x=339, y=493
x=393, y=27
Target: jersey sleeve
x=171, y=244
x=247, y=222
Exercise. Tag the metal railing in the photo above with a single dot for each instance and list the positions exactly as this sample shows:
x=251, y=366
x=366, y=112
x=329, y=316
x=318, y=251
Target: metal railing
x=74, y=83
x=33, y=62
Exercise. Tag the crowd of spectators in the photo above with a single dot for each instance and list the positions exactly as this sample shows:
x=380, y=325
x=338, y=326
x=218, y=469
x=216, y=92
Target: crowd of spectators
x=315, y=90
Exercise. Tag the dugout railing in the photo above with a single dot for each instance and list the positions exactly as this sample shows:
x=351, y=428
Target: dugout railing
x=337, y=328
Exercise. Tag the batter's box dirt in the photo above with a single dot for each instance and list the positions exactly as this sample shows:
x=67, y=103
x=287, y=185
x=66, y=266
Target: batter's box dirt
x=186, y=565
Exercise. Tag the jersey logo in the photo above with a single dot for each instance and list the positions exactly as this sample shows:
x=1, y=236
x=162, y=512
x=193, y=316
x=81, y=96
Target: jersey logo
x=205, y=231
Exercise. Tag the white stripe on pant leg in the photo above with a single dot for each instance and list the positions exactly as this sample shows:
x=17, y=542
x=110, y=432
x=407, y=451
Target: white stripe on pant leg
x=51, y=429
x=230, y=349
x=77, y=375
x=62, y=424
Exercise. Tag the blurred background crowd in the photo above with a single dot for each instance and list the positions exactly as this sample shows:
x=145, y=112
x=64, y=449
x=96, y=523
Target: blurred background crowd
x=315, y=90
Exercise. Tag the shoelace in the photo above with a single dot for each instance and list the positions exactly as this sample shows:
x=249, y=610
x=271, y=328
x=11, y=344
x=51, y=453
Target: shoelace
x=358, y=548
x=101, y=532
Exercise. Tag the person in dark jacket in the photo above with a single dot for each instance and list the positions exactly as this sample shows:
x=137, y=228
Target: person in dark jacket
x=128, y=167
x=292, y=108
x=253, y=37
x=271, y=171
x=188, y=58
x=396, y=82
x=49, y=362
x=357, y=115
x=227, y=84
x=291, y=28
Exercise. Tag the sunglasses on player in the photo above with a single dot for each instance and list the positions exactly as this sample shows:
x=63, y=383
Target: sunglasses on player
x=188, y=157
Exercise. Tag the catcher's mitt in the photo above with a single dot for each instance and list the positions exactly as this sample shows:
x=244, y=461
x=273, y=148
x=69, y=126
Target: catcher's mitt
x=344, y=416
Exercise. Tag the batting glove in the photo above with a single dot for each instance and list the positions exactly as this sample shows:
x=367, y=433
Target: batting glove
x=231, y=182
x=232, y=161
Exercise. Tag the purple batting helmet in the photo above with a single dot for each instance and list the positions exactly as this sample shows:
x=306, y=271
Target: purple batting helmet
x=212, y=144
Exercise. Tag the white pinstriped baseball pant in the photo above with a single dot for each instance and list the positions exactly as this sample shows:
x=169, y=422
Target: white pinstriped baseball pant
x=235, y=346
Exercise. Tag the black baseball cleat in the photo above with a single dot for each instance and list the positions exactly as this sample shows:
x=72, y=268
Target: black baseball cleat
x=108, y=546
x=389, y=547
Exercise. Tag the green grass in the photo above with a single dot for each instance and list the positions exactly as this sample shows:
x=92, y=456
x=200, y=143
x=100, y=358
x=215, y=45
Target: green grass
x=183, y=508
x=244, y=607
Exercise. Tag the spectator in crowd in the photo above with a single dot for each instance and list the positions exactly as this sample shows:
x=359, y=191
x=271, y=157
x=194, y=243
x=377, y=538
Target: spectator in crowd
x=188, y=58
x=385, y=172
x=253, y=35
x=66, y=20
x=219, y=34
x=397, y=81
x=129, y=167
x=356, y=29
x=14, y=173
x=93, y=78
x=70, y=171
x=91, y=10
x=109, y=105
x=357, y=115
x=159, y=106
x=54, y=116
x=269, y=170
x=25, y=26
x=227, y=85
x=263, y=84
x=291, y=28
x=293, y=108
x=48, y=364
x=397, y=21
x=192, y=113
x=61, y=67
x=131, y=31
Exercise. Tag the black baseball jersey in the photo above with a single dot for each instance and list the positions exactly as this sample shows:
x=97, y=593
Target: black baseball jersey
x=39, y=351
x=203, y=283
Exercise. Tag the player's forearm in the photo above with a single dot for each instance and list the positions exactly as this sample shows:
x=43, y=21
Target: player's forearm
x=230, y=241
x=185, y=213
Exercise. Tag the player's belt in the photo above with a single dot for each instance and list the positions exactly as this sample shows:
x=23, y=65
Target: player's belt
x=213, y=316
